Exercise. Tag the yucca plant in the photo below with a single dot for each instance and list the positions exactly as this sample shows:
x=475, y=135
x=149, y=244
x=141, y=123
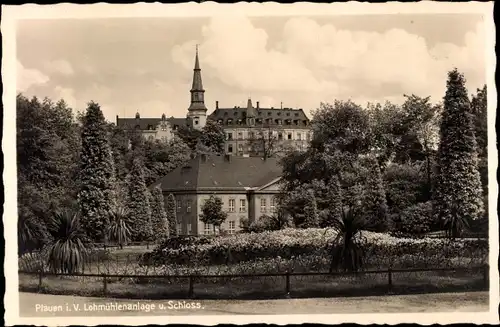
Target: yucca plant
x=346, y=250
x=68, y=250
x=32, y=234
x=118, y=229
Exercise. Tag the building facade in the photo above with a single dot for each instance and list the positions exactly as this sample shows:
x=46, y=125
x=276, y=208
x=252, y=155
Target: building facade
x=246, y=186
x=250, y=131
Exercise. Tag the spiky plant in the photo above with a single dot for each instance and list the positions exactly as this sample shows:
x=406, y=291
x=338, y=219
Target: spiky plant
x=118, y=229
x=32, y=234
x=68, y=250
x=346, y=251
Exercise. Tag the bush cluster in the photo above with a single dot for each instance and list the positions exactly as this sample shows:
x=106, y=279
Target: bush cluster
x=381, y=250
x=415, y=220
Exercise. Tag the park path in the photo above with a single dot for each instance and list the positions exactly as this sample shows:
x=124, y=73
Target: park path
x=86, y=306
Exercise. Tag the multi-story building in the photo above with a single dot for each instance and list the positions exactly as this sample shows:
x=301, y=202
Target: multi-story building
x=258, y=131
x=249, y=131
x=247, y=187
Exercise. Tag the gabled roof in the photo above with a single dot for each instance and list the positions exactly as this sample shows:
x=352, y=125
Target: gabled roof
x=297, y=117
x=221, y=173
x=144, y=123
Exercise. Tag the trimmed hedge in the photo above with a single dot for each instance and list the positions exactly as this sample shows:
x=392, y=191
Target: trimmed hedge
x=381, y=250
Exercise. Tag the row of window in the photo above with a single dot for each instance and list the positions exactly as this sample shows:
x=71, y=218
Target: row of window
x=251, y=135
x=232, y=205
x=269, y=113
x=208, y=228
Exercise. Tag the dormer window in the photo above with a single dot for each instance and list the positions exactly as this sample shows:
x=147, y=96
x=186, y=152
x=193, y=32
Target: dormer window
x=225, y=113
x=305, y=122
x=296, y=114
x=137, y=126
x=279, y=113
x=236, y=113
x=150, y=127
x=269, y=113
x=229, y=121
x=288, y=114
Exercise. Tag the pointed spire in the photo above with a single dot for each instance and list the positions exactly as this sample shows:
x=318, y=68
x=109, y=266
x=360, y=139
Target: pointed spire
x=197, y=62
x=249, y=103
x=197, y=91
x=197, y=83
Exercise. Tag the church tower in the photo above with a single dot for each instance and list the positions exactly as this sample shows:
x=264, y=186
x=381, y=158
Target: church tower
x=197, y=111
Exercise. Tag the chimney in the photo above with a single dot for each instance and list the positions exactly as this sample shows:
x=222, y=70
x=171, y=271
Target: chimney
x=216, y=104
x=117, y=119
x=203, y=157
x=227, y=158
x=258, y=105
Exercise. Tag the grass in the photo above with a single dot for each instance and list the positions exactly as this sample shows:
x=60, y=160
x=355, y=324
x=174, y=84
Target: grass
x=116, y=261
x=256, y=287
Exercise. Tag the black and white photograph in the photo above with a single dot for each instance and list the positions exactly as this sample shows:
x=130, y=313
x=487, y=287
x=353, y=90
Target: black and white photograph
x=209, y=163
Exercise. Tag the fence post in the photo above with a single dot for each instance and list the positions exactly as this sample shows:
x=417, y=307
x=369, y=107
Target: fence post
x=287, y=284
x=104, y=284
x=389, y=277
x=191, y=287
x=40, y=276
x=485, y=274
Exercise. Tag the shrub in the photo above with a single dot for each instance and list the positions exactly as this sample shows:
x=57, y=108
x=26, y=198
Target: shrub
x=415, y=220
x=380, y=250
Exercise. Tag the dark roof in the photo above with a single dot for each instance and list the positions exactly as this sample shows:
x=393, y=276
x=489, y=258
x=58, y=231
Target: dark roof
x=264, y=117
x=144, y=123
x=221, y=173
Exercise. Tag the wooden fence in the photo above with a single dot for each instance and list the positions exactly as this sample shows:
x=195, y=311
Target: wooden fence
x=192, y=279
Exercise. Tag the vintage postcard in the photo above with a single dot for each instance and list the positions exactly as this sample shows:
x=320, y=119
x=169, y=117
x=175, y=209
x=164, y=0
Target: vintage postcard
x=207, y=163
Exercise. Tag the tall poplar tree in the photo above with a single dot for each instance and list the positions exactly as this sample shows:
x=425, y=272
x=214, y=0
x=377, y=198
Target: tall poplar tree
x=96, y=195
x=457, y=197
x=171, y=214
x=374, y=201
x=159, y=219
x=139, y=203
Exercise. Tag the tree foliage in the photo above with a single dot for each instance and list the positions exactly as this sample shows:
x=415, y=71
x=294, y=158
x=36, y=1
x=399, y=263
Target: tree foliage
x=213, y=137
x=171, y=214
x=96, y=194
x=159, y=219
x=374, y=201
x=212, y=213
x=139, y=208
x=457, y=197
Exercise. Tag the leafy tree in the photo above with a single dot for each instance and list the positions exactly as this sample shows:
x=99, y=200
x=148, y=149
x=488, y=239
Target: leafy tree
x=374, y=201
x=68, y=250
x=119, y=227
x=189, y=135
x=47, y=160
x=96, y=195
x=161, y=157
x=264, y=142
x=171, y=215
x=139, y=204
x=158, y=214
x=213, y=137
x=405, y=186
x=457, y=197
x=212, y=212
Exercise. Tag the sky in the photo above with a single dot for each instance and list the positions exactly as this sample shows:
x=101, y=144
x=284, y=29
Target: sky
x=145, y=65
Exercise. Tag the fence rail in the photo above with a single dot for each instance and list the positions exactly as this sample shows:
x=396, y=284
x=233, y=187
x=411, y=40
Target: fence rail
x=484, y=269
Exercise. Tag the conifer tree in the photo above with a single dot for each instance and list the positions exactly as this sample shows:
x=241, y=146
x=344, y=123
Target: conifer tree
x=374, y=200
x=96, y=194
x=158, y=214
x=311, y=217
x=139, y=203
x=334, y=201
x=457, y=198
x=171, y=215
